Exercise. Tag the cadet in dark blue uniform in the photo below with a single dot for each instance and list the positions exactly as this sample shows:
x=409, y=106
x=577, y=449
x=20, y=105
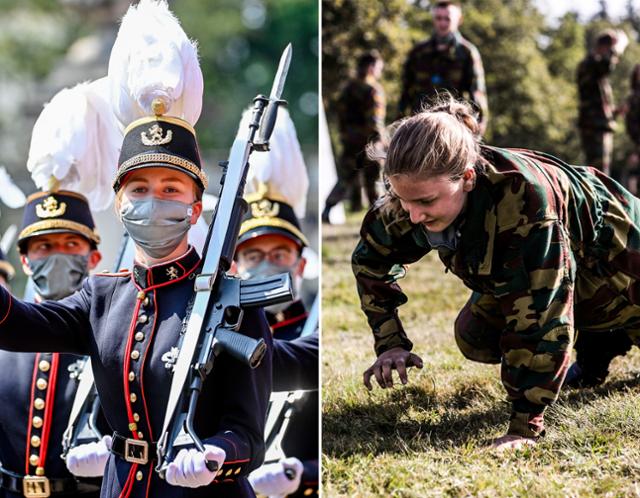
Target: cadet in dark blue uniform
x=271, y=242
x=130, y=323
x=58, y=247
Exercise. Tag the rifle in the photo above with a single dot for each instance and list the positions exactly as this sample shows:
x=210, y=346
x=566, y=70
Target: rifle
x=219, y=300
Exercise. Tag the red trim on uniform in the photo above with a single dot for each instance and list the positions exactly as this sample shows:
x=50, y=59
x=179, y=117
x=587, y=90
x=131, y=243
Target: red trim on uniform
x=183, y=268
x=33, y=388
x=289, y=321
x=229, y=462
x=48, y=414
x=146, y=494
x=144, y=357
x=8, y=309
x=168, y=282
x=128, y=485
x=127, y=362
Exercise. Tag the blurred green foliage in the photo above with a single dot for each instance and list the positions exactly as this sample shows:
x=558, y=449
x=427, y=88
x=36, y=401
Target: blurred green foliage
x=530, y=63
x=240, y=43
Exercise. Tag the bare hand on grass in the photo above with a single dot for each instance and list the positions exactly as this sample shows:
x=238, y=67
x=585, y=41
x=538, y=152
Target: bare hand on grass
x=511, y=442
x=392, y=359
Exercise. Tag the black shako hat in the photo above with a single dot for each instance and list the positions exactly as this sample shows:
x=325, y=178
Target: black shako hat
x=270, y=215
x=160, y=141
x=6, y=268
x=57, y=212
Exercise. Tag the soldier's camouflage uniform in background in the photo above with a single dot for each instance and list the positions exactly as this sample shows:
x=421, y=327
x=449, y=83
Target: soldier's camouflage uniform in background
x=632, y=118
x=361, y=112
x=547, y=248
x=429, y=71
x=596, y=118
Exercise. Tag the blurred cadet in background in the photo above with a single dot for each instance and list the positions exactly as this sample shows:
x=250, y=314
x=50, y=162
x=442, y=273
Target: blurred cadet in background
x=632, y=122
x=58, y=247
x=597, y=111
x=361, y=113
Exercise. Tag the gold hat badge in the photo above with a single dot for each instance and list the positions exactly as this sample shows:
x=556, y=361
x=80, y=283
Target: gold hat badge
x=50, y=208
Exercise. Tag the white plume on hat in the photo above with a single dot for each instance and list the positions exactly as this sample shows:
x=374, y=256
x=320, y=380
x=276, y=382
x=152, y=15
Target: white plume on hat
x=76, y=140
x=152, y=58
x=10, y=193
x=282, y=169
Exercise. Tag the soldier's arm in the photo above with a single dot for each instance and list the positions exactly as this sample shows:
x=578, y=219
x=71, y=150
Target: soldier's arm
x=51, y=326
x=384, y=244
x=242, y=395
x=295, y=363
x=408, y=77
x=478, y=88
x=535, y=290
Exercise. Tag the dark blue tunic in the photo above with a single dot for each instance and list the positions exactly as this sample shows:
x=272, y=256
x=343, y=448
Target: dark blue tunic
x=126, y=322
x=28, y=428
x=295, y=366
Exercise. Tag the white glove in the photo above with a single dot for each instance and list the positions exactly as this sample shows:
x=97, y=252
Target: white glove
x=88, y=460
x=271, y=479
x=189, y=468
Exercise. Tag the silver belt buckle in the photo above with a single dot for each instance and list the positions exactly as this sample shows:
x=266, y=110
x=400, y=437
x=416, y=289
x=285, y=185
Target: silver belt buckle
x=36, y=487
x=136, y=451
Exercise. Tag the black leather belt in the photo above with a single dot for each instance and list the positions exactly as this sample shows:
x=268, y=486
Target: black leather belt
x=133, y=450
x=42, y=486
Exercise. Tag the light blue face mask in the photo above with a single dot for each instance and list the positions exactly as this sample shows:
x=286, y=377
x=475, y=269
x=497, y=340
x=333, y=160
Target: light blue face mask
x=59, y=275
x=157, y=226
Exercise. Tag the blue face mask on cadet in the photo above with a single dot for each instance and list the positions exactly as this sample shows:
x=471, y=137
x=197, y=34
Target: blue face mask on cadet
x=59, y=275
x=157, y=226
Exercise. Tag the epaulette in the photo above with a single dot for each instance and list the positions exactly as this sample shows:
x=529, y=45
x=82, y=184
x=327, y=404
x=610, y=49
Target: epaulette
x=123, y=272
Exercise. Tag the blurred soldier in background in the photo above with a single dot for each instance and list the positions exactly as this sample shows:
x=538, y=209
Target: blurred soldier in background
x=361, y=113
x=597, y=112
x=58, y=247
x=632, y=121
x=446, y=61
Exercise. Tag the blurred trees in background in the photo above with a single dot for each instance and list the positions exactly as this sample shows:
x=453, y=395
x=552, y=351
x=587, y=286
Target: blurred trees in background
x=529, y=60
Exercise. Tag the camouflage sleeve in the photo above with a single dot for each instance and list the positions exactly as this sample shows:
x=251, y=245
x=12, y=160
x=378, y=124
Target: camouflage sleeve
x=477, y=88
x=535, y=291
x=374, y=113
x=379, y=111
x=408, y=76
x=385, y=245
x=632, y=120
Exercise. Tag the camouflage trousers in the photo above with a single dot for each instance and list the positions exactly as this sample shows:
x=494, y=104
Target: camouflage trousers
x=598, y=148
x=479, y=327
x=352, y=166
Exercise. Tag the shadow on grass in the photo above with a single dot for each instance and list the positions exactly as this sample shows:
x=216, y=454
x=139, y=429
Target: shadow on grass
x=412, y=419
x=579, y=397
x=384, y=426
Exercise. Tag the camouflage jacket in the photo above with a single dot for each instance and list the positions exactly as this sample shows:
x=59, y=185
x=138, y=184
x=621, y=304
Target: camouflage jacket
x=428, y=71
x=632, y=118
x=596, y=109
x=557, y=246
x=361, y=112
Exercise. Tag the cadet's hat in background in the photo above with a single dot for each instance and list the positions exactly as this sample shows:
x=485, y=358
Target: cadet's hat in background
x=60, y=211
x=6, y=269
x=158, y=99
x=268, y=215
x=277, y=185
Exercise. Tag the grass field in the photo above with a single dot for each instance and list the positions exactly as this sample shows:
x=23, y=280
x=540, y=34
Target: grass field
x=429, y=438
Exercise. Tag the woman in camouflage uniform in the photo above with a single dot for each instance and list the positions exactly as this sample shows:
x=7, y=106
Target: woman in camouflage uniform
x=547, y=249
